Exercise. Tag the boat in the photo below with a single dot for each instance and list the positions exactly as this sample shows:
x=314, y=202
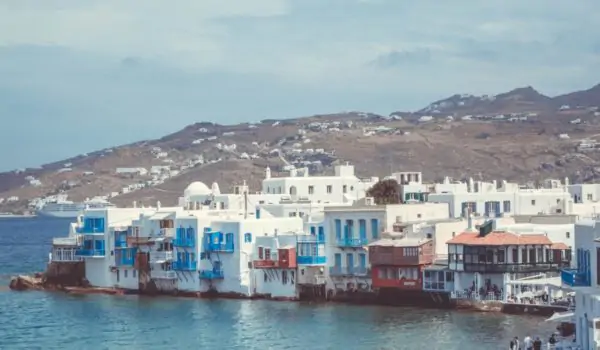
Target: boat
x=62, y=208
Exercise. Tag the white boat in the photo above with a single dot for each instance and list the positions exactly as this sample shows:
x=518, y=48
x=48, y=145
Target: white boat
x=61, y=208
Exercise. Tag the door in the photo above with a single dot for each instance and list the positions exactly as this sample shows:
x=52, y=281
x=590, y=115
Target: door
x=362, y=260
x=350, y=262
x=338, y=261
x=362, y=227
x=321, y=236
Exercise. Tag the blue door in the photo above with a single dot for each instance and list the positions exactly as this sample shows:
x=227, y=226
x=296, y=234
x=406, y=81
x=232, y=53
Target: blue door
x=321, y=236
x=362, y=228
x=375, y=228
x=312, y=231
x=350, y=262
x=362, y=260
x=338, y=260
x=338, y=229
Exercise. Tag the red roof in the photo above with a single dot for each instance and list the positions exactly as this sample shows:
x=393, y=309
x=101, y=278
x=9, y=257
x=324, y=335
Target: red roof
x=559, y=246
x=500, y=238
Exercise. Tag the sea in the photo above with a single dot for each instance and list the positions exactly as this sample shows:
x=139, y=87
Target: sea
x=53, y=320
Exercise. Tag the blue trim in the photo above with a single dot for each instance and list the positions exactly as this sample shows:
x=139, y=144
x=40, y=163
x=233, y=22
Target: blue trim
x=582, y=276
x=352, y=242
x=214, y=274
x=311, y=260
x=185, y=265
x=91, y=226
x=90, y=252
x=375, y=228
x=125, y=257
x=185, y=238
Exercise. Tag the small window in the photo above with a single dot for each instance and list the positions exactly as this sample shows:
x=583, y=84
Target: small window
x=533, y=202
x=453, y=234
x=247, y=237
x=284, y=277
x=134, y=273
x=557, y=200
x=329, y=188
x=590, y=197
x=267, y=253
x=344, y=188
x=125, y=273
x=311, y=189
x=418, y=216
x=260, y=253
x=429, y=236
x=301, y=214
x=568, y=234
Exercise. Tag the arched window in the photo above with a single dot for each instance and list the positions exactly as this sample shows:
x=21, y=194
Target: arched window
x=247, y=237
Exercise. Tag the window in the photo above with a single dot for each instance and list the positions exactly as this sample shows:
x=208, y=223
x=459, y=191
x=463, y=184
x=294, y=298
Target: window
x=329, y=188
x=375, y=228
x=344, y=188
x=515, y=255
x=590, y=197
x=501, y=253
x=418, y=216
x=260, y=253
x=557, y=200
x=267, y=253
x=311, y=189
x=533, y=202
x=284, y=277
x=568, y=234
x=134, y=274
x=125, y=273
x=524, y=255
x=292, y=277
x=301, y=214
x=506, y=206
x=247, y=237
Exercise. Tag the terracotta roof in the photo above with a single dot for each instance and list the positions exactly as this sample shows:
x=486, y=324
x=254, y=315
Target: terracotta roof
x=559, y=246
x=401, y=242
x=500, y=238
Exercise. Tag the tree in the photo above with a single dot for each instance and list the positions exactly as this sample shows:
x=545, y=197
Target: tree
x=385, y=192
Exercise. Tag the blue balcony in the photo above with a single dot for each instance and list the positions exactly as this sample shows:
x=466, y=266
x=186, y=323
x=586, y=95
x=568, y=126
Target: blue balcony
x=311, y=260
x=90, y=252
x=574, y=278
x=91, y=226
x=184, y=242
x=224, y=247
x=213, y=274
x=352, y=242
x=185, y=265
x=311, y=239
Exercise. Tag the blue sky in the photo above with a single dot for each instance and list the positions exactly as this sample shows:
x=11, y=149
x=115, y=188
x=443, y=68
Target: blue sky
x=80, y=75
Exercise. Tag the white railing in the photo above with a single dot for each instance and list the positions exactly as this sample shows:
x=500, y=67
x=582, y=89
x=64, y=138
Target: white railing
x=476, y=296
x=162, y=274
x=72, y=241
x=158, y=257
x=167, y=232
x=64, y=255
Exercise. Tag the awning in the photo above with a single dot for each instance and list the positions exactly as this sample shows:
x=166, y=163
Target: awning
x=567, y=316
x=552, y=281
x=160, y=216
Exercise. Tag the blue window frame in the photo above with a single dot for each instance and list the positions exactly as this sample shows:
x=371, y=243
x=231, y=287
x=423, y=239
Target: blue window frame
x=312, y=231
x=321, y=236
x=248, y=237
x=338, y=228
x=375, y=228
x=362, y=228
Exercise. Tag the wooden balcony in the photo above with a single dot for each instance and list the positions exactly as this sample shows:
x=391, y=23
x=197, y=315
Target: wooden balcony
x=133, y=241
x=266, y=264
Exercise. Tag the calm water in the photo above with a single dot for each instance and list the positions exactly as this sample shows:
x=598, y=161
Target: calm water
x=44, y=320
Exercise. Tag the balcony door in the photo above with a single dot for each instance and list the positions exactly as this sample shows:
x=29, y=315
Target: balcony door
x=350, y=260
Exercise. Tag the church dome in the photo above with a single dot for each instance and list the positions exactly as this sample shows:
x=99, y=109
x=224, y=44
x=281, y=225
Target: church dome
x=197, y=188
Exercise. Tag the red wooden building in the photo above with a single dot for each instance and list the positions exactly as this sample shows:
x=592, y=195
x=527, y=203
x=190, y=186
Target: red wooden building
x=398, y=263
x=285, y=259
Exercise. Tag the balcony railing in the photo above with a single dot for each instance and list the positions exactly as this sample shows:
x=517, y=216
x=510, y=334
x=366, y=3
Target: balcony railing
x=352, y=242
x=164, y=275
x=87, y=230
x=167, y=232
x=184, y=242
x=574, y=278
x=66, y=241
x=90, y=252
x=158, y=257
x=310, y=239
x=226, y=247
x=121, y=243
x=515, y=268
x=185, y=265
x=349, y=271
x=265, y=264
x=211, y=274
x=311, y=260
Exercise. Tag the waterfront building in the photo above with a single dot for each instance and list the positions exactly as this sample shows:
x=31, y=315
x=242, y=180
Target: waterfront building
x=275, y=266
x=584, y=279
x=483, y=261
x=349, y=230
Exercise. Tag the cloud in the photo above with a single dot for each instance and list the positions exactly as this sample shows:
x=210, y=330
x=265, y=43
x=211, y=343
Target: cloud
x=155, y=66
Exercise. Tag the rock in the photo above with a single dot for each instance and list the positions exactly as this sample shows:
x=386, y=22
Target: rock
x=21, y=283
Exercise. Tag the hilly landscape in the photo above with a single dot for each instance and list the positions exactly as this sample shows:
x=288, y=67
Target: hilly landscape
x=521, y=135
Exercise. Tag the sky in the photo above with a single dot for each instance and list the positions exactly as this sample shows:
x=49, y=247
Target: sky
x=82, y=75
